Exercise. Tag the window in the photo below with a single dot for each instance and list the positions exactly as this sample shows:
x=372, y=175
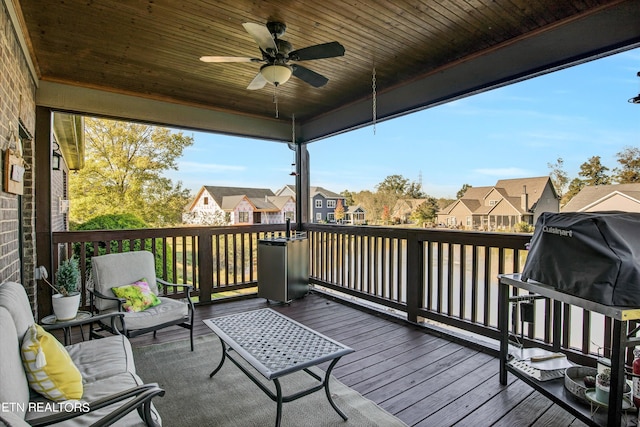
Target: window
x=243, y=217
x=468, y=221
x=331, y=217
x=289, y=215
x=331, y=203
x=205, y=200
x=493, y=202
x=318, y=217
x=318, y=203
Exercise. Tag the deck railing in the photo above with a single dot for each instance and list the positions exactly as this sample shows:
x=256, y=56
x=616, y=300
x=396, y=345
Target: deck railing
x=212, y=259
x=443, y=276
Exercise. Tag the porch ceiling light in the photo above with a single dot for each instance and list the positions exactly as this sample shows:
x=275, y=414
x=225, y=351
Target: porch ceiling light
x=635, y=99
x=276, y=74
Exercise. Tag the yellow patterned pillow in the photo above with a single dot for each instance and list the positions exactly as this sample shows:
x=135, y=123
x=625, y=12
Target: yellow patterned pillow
x=48, y=366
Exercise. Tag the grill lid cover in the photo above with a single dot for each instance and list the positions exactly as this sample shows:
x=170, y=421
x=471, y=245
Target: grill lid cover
x=592, y=255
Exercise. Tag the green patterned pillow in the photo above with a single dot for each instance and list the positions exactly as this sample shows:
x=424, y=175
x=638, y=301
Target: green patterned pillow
x=138, y=296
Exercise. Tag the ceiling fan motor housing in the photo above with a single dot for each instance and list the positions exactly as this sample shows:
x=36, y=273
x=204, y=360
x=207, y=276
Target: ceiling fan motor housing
x=276, y=29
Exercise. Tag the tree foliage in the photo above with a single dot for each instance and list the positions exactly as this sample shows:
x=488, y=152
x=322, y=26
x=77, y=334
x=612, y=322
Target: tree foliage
x=124, y=221
x=462, y=190
x=123, y=170
x=348, y=197
x=338, y=213
x=426, y=212
x=575, y=186
x=386, y=214
x=414, y=191
x=594, y=172
x=396, y=185
x=559, y=177
x=629, y=170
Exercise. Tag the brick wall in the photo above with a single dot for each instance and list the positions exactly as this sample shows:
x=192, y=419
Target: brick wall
x=17, y=103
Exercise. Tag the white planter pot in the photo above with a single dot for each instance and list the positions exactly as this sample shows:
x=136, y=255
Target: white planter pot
x=65, y=308
x=602, y=393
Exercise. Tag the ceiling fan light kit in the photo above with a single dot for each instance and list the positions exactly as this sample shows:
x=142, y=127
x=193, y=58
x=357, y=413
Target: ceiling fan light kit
x=276, y=74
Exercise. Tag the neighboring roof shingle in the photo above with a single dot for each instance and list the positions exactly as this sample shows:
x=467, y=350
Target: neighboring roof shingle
x=218, y=193
x=590, y=194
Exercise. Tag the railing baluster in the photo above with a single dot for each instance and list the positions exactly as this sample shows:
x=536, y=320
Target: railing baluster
x=463, y=281
x=487, y=285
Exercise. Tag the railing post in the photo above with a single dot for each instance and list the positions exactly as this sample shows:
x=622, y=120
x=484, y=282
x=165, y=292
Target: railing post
x=205, y=266
x=415, y=273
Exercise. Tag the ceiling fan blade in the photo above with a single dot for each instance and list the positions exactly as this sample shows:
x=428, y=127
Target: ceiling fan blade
x=311, y=77
x=326, y=50
x=228, y=59
x=262, y=36
x=258, y=82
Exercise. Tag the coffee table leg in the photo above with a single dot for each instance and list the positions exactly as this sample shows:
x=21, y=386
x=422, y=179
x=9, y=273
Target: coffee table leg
x=278, y=401
x=326, y=389
x=224, y=356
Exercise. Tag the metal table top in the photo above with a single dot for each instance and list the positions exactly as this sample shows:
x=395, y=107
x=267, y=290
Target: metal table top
x=274, y=344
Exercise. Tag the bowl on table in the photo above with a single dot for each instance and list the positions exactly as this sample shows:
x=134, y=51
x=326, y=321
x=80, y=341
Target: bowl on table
x=574, y=382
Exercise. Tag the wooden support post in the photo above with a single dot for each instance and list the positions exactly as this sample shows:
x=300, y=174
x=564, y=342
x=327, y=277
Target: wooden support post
x=205, y=266
x=415, y=269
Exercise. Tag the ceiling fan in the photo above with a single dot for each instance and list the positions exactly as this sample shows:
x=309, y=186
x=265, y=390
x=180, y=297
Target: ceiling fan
x=277, y=53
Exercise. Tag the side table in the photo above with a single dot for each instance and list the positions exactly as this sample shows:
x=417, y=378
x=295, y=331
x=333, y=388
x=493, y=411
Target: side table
x=49, y=322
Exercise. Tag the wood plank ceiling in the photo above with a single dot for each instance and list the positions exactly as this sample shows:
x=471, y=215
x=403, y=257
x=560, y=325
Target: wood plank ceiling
x=150, y=49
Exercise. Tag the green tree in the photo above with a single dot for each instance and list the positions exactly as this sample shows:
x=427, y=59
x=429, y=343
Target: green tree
x=348, y=197
x=558, y=176
x=414, y=191
x=396, y=185
x=629, y=170
x=426, y=212
x=594, y=172
x=523, y=227
x=123, y=170
x=575, y=186
x=338, y=213
x=462, y=190
x=125, y=221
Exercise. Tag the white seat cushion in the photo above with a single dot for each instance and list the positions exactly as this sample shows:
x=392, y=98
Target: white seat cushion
x=100, y=389
x=98, y=359
x=168, y=310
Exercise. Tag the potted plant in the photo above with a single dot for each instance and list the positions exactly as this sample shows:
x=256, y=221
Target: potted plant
x=603, y=382
x=66, y=300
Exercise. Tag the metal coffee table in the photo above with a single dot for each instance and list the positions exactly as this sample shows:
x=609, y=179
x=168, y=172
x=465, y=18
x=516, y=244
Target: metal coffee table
x=275, y=346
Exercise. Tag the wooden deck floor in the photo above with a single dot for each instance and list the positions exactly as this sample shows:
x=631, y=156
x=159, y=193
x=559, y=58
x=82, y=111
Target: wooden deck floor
x=423, y=379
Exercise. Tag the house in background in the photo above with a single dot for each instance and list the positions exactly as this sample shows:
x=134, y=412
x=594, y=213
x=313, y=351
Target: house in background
x=402, y=210
x=502, y=206
x=239, y=206
x=354, y=215
x=598, y=198
x=323, y=204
